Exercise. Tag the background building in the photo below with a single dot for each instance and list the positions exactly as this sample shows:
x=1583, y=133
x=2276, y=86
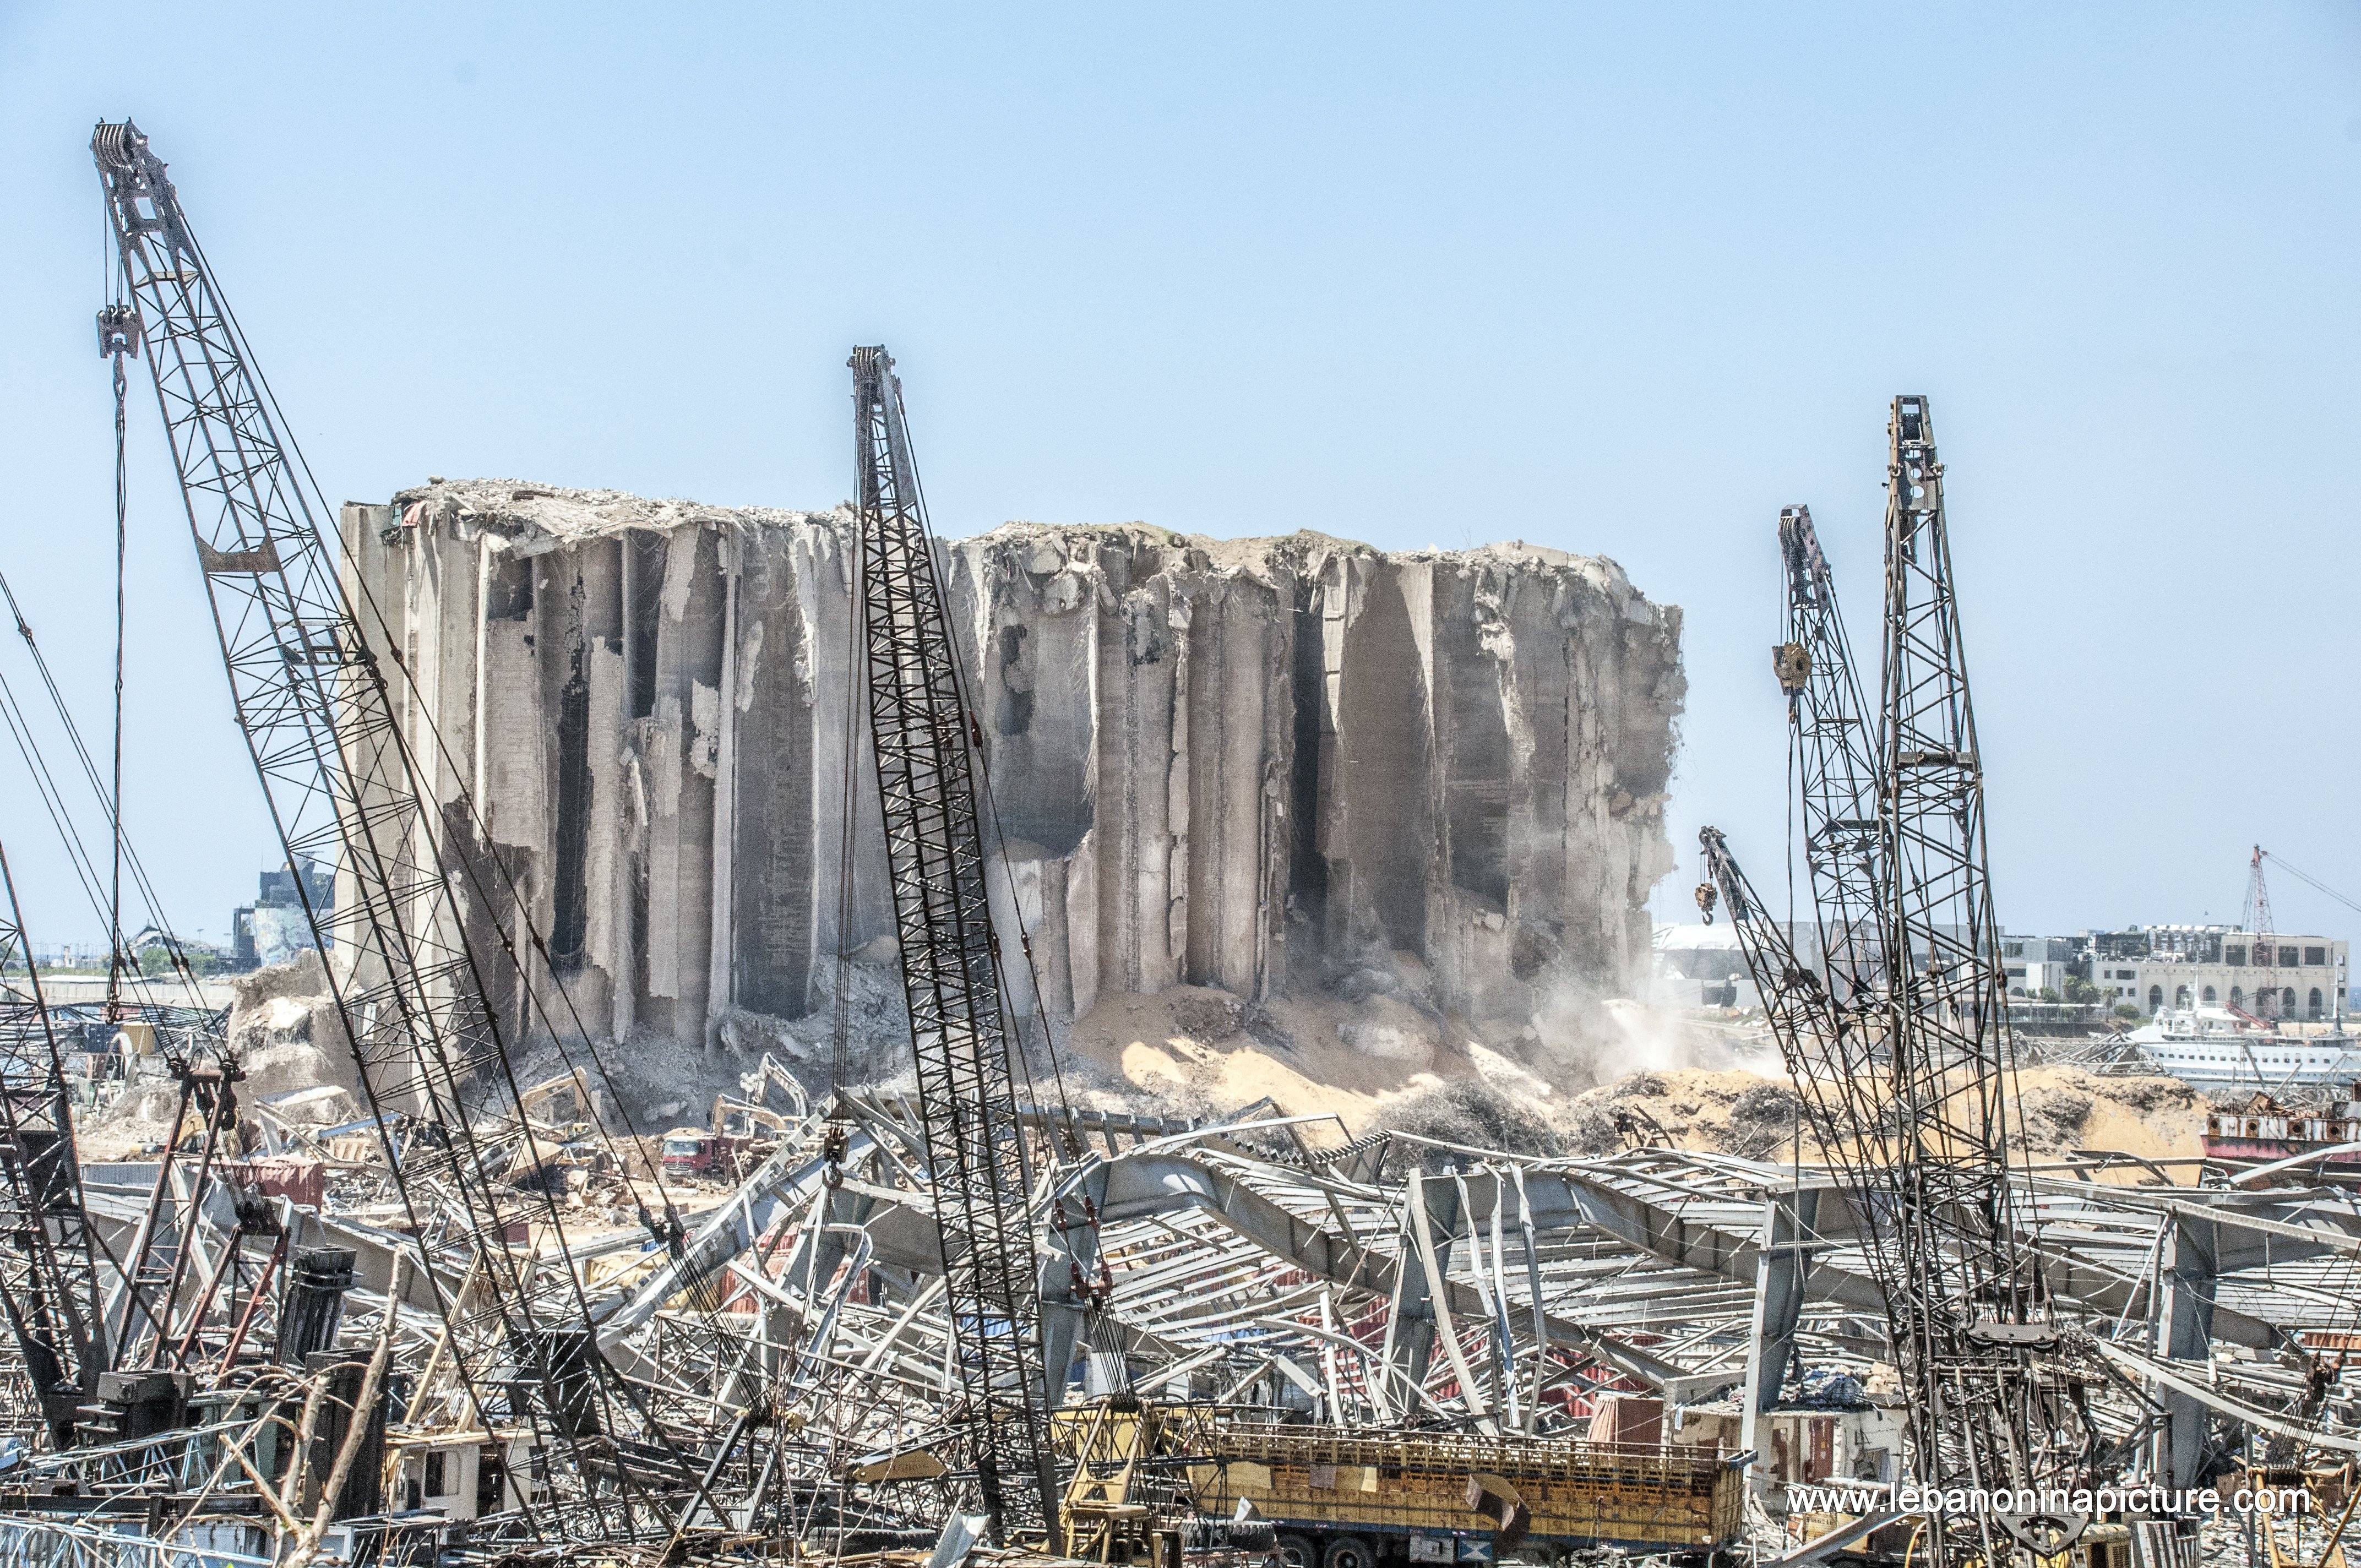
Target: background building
x=2154, y=967
x=274, y=929
x=1703, y=966
x=2036, y=964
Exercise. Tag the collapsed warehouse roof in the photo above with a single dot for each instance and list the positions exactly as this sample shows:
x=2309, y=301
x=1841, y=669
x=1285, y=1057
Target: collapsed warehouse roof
x=794, y=1340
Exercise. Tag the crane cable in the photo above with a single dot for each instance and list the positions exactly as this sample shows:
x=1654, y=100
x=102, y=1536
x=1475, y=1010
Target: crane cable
x=2313, y=882
x=45, y=783
x=114, y=796
x=489, y=889
x=990, y=819
x=119, y=332
x=275, y=420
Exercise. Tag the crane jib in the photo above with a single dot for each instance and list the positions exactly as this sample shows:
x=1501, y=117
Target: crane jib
x=926, y=750
x=1897, y=1033
x=423, y=950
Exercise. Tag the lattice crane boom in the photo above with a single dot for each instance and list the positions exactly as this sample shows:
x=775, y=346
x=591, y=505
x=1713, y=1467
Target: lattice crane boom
x=330, y=733
x=1957, y=1251
x=927, y=749
x=49, y=1276
x=2263, y=949
x=1829, y=1048
x=1836, y=769
x=1907, y=1074
x=1830, y=1022
x=314, y=706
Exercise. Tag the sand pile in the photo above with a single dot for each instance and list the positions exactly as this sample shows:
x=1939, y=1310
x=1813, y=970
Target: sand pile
x=1194, y=1050
x=1756, y=1115
x=1607, y=1075
x=1199, y=1050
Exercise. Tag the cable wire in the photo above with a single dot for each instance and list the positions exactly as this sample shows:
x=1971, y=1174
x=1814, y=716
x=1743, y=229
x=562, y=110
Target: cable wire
x=999, y=839
x=114, y=795
x=2312, y=882
x=53, y=797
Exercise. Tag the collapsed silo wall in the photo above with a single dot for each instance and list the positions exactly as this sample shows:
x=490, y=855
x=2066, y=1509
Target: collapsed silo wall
x=1255, y=765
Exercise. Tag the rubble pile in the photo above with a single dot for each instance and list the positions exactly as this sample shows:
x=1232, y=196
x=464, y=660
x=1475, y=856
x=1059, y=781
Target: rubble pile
x=742, y=1346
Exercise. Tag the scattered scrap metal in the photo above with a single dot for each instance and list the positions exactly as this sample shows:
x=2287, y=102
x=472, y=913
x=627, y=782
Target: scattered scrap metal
x=497, y=1323
x=1308, y=1336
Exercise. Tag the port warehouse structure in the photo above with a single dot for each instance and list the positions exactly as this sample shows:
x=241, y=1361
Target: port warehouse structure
x=1319, y=1282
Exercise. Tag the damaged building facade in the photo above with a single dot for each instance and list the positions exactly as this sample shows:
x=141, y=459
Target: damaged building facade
x=1255, y=765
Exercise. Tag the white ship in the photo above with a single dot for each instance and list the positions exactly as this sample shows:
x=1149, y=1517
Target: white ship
x=2214, y=1049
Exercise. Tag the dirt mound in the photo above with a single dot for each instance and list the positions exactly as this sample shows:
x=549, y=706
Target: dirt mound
x=2149, y=1117
x=2055, y=1115
x=1765, y=1120
x=1473, y=1114
x=1755, y=1115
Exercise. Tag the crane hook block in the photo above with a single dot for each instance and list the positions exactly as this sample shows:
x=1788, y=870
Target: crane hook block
x=1706, y=897
x=1792, y=663
x=118, y=330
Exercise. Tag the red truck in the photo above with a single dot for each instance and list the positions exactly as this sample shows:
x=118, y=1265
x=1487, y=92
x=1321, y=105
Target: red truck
x=693, y=1151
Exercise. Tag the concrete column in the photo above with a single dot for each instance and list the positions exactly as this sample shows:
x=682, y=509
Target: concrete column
x=1114, y=788
x=1779, y=1274
x=2184, y=1330
x=718, y=992
x=1384, y=797
x=626, y=817
x=685, y=737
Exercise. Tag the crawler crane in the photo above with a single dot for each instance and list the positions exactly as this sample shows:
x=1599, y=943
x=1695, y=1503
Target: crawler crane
x=427, y=957
x=1924, y=1145
x=928, y=749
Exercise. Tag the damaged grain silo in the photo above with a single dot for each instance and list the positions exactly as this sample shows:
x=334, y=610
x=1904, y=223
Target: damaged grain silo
x=1255, y=765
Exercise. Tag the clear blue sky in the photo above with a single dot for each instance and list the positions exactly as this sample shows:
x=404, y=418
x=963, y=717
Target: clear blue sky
x=1621, y=280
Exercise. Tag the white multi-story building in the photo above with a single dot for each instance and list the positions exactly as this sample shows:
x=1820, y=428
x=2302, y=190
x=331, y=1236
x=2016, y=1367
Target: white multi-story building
x=2278, y=976
x=2180, y=967
x=2035, y=964
x=1699, y=965
x=2034, y=976
x=2150, y=967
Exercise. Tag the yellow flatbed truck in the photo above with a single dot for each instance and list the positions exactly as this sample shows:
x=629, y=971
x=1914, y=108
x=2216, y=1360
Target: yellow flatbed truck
x=1359, y=1499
